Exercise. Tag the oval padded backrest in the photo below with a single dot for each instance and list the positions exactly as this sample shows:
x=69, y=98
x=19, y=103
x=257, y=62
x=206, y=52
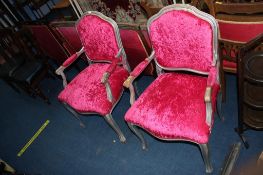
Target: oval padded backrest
x=182, y=40
x=98, y=38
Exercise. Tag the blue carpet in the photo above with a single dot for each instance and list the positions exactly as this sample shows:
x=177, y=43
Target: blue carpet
x=64, y=148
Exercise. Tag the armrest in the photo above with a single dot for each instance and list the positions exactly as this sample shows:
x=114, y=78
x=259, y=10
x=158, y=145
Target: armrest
x=208, y=103
x=109, y=70
x=112, y=67
x=208, y=94
x=138, y=70
x=134, y=74
x=108, y=73
x=69, y=61
x=72, y=58
x=213, y=85
x=211, y=81
x=60, y=71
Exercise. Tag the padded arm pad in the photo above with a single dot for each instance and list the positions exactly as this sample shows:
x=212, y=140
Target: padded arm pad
x=138, y=70
x=109, y=70
x=113, y=66
x=70, y=60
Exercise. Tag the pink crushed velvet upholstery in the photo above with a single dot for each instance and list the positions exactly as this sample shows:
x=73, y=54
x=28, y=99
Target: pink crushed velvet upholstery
x=85, y=93
x=113, y=66
x=70, y=60
x=173, y=107
x=139, y=68
x=182, y=40
x=98, y=38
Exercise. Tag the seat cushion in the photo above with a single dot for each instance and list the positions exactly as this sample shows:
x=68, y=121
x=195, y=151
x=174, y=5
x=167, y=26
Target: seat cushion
x=86, y=94
x=172, y=108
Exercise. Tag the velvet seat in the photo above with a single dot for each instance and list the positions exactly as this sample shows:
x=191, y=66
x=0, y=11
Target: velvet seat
x=180, y=103
x=91, y=96
x=98, y=88
x=163, y=110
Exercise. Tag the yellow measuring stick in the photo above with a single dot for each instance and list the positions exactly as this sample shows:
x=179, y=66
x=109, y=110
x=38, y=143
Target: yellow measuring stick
x=33, y=138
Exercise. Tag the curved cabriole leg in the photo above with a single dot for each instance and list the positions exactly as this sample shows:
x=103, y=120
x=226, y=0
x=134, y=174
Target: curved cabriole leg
x=219, y=102
x=41, y=94
x=139, y=135
x=205, y=153
x=136, y=89
x=75, y=114
x=116, y=128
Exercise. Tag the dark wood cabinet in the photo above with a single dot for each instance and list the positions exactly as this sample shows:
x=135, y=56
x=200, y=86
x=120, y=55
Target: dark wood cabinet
x=250, y=87
x=253, y=90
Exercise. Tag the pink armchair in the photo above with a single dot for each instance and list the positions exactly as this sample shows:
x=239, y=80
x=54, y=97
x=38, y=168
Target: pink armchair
x=180, y=102
x=98, y=88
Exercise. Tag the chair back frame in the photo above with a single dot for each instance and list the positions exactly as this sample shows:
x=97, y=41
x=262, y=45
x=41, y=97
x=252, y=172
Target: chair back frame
x=233, y=8
x=117, y=36
x=208, y=18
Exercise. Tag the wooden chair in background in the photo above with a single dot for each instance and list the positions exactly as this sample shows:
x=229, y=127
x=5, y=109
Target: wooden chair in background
x=135, y=45
x=24, y=67
x=67, y=35
x=48, y=42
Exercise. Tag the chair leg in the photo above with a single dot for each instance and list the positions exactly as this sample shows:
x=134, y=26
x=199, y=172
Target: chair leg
x=26, y=88
x=137, y=94
x=51, y=75
x=12, y=86
x=205, y=153
x=139, y=135
x=116, y=128
x=219, y=106
x=223, y=87
x=42, y=95
x=75, y=114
